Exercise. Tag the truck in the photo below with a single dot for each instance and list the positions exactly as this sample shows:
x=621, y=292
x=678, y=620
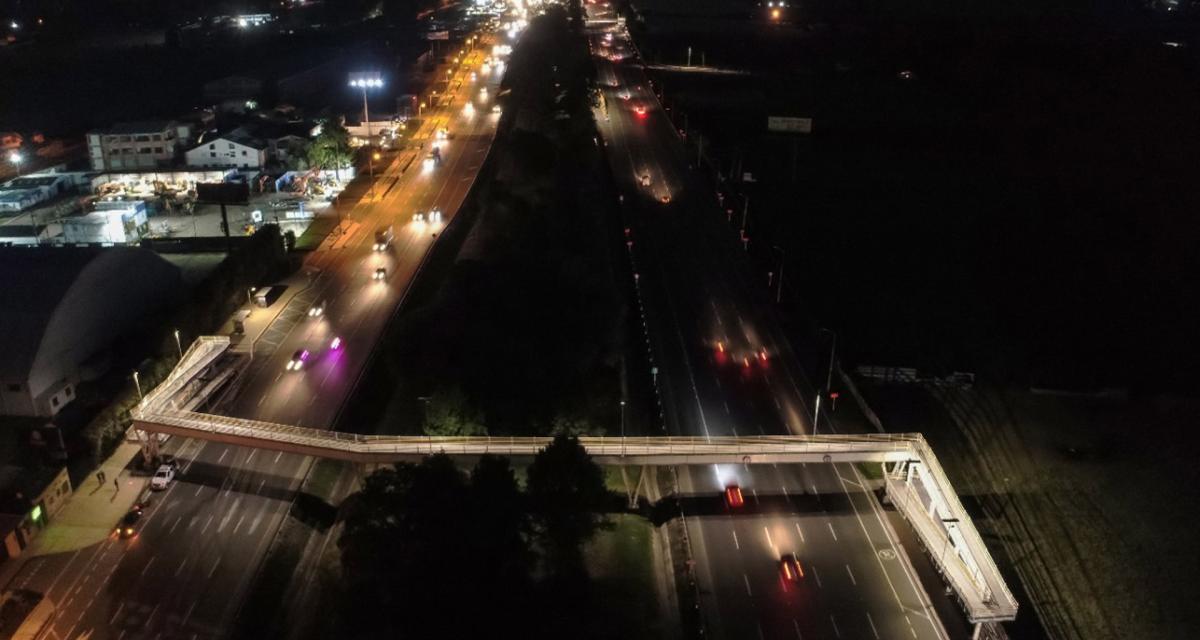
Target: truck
x=383, y=238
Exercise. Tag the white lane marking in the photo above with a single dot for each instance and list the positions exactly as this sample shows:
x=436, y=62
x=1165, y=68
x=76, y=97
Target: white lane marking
x=179, y=570
x=260, y=486
x=214, y=567
x=254, y=524
x=152, y=612
x=796, y=626
x=192, y=522
x=199, y=489
x=830, y=525
x=262, y=400
x=735, y=541
x=147, y=567
x=172, y=529
x=817, y=575
x=851, y=574
x=277, y=456
x=208, y=522
x=800, y=531
x=113, y=619
x=251, y=456
x=836, y=631
x=183, y=623
x=239, y=524
x=746, y=579
x=873, y=629
x=223, y=454
x=760, y=633
x=814, y=489
x=770, y=542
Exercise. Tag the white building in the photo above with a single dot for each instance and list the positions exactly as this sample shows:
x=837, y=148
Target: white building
x=62, y=309
x=19, y=194
x=112, y=222
x=137, y=145
x=234, y=149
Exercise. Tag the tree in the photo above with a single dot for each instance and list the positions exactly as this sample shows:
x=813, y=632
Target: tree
x=417, y=537
x=566, y=490
x=449, y=413
x=331, y=148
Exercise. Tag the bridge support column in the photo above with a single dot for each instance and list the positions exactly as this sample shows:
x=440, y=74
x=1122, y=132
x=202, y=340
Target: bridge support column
x=149, y=442
x=636, y=492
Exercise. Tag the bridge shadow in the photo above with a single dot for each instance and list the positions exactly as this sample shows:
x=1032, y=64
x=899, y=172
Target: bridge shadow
x=765, y=505
x=306, y=507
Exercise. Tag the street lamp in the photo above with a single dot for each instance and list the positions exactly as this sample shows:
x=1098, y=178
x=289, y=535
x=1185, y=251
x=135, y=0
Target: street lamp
x=178, y=345
x=779, y=285
x=16, y=158
x=622, y=428
x=364, y=81
x=137, y=383
x=828, y=377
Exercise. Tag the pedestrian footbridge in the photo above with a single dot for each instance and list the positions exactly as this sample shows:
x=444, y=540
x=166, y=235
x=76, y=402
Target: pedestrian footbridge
x=913, y=478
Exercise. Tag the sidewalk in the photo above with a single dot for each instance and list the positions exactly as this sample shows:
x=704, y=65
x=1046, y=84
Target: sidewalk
x=90, y=514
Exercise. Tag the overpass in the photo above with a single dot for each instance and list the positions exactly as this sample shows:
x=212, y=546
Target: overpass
x=914, y=479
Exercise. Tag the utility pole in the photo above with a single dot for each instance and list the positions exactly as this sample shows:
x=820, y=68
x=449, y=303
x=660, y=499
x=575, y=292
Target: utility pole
x=828, y=378
x=622, y=428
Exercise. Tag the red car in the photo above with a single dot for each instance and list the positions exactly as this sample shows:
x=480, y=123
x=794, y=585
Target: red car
x=790, y=568
x=733, y=496
x=640, y=110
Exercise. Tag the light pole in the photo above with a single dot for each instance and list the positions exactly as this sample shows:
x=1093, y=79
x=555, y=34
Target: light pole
x=16, y=158
x=779, y=285
x=745, y=212
x=137, y=383
x=178, y=345
x=249, y=300
x=364, y=81
x=622, y=428
x=828, y=377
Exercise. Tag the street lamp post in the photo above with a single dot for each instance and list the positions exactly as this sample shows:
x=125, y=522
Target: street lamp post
x=364, y=81
x=828, y=377
x=779, y=285
x=178, y=345
x=622, y=428
x=137, y=383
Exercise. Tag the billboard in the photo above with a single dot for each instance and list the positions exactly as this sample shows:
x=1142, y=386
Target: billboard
x=783, y=124
x=437, y=35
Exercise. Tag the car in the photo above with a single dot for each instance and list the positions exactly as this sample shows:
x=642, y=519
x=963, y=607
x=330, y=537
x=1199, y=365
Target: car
x=299, y=357
x=645, y=179
x=317, y=309
x=733, y=496
x=624, y=94
x=380, y=274
x=640, y=110
x=128, y=525
x=443, y=133
x=170, y=461
x=419, y=216
x=435, y=215
x=665, y=199
x=789, y=567
x=163, y=477
x=496, y=108
x=335, y=344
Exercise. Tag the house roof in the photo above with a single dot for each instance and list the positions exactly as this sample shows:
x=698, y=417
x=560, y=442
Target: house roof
x=142, y=126
x=35, y=281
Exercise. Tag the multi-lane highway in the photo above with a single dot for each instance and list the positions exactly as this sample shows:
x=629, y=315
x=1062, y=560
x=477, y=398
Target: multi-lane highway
x=200, y=542
x=724, y=368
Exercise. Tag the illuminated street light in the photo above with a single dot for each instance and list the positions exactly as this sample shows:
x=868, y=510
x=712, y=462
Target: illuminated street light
x=178, y=344
x=364, y=81
x=16, y=158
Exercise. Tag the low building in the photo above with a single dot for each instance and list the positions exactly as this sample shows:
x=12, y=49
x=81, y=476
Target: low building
x=22, y=193
x=63, y=307
x=138, y=145
x=10, y=140
x=234, y=149
x=113, y=222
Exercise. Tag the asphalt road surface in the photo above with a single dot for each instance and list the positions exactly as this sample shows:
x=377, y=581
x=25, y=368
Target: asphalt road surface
x=201, y=541
x=724, y=368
